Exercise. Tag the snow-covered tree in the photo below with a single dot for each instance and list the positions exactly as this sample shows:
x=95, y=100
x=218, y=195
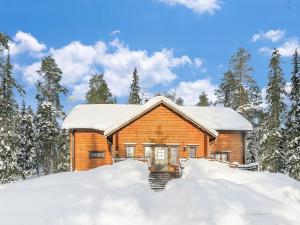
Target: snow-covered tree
x=254, y=139
x=239, y=90
x=134, y=95
x=26, y=130
x=292, y=131
x=172, y=95
x=50, y=137
x=9, y=138
x=273, y=155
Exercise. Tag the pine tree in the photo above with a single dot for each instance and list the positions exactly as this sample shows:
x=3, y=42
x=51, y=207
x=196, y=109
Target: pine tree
x=9, y=138
x=172, y=95
x=99, y=92
x=227, y=90
x=134, y=96
x=179, y=101
x=50, y=137
x=203, y=100
x=27, y=153
x=240, y=91
x=272, y=151
x=292, y=131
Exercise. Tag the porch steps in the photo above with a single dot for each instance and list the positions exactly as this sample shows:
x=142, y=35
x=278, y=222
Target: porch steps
x=159, y=180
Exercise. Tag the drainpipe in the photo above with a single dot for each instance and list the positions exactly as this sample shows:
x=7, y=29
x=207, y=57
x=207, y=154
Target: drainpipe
x=73, y=150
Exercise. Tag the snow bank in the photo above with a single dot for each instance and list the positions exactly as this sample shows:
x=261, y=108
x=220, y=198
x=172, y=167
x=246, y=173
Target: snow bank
x=209, y=193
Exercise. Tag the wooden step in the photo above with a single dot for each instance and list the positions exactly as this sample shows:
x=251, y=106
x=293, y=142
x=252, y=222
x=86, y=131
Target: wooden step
x=159, y=180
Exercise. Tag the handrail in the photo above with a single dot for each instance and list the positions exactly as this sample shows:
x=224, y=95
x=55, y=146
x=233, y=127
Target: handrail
x=118, y=159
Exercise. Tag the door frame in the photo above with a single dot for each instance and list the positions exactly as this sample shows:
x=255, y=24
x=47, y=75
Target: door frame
x=163, y=164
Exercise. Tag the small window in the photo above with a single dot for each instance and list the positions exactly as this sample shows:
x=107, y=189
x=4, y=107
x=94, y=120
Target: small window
x=224, y=156
x=220, y=156
x=129, y=151
x=148, y=151
x=192, y=151
x=97, y=154
x=174, y=152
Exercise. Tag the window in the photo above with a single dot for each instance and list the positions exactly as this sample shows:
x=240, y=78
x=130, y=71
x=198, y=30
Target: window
x=97, y=154
x=161, y=154
x=129, y=151
x=148, y=151
x=220, y=156
x=174, y=152
x=192, y=151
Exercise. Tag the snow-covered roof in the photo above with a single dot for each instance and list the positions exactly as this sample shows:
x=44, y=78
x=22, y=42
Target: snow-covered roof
x=111, y=117
x=150, y=105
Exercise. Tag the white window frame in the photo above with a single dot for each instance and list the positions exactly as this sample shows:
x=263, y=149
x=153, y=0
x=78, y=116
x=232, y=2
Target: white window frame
x=127, y=147
x=174, y=148
x=149, y=147
x=196, y=149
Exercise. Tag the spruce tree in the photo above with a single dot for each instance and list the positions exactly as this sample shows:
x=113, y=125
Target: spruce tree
x=134, y=96
x=99, y=92
x=292, y=131
x=9, y=138
x=50, y=137
x=27, y=153
x=272, y=152
x=203, y=100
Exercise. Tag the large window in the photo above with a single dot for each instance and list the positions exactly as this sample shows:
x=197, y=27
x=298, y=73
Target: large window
x=192, y=151
x=220, y=156
x=130, y=151
x=174, y=152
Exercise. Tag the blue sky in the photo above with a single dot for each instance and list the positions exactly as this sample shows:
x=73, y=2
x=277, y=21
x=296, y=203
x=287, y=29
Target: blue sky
x=181, y=45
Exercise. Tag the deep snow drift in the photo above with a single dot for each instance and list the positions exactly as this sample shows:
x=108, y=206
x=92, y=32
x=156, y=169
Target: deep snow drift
x=208, y=193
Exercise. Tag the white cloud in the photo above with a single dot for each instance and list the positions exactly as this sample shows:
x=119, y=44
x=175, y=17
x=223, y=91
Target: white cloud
x=190, y=91
x=25, y=43
x=153, y=69
x=115, y=32
x=286, y=49
x=79, y=61
x=272, y=35
x=30, y=72
x=198, y=6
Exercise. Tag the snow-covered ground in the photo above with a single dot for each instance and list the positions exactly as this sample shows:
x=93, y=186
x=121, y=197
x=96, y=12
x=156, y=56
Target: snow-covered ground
x=209, y=193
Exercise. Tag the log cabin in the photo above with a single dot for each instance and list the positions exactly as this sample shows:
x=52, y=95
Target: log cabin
x=158, y=132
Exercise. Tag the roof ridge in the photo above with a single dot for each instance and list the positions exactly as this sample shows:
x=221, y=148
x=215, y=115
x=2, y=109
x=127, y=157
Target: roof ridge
x=152, y=104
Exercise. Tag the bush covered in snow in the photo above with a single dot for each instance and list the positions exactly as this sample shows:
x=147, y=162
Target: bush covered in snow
x=208, y=193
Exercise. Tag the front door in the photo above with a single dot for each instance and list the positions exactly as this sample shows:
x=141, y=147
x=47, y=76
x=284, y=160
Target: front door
x=161, y=159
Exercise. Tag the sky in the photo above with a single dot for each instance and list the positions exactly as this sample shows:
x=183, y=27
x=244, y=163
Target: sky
x=181, y=45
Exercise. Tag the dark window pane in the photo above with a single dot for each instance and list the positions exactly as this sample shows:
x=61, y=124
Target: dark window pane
x=97, y=154
x=192, y=152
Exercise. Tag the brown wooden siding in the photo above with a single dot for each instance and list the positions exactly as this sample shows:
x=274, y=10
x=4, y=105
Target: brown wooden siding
x=86, y=141
x=232, y=141
x=160, y=126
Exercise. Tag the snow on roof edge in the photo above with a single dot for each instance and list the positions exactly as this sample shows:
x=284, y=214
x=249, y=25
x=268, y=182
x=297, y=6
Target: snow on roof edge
x=104, y=117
